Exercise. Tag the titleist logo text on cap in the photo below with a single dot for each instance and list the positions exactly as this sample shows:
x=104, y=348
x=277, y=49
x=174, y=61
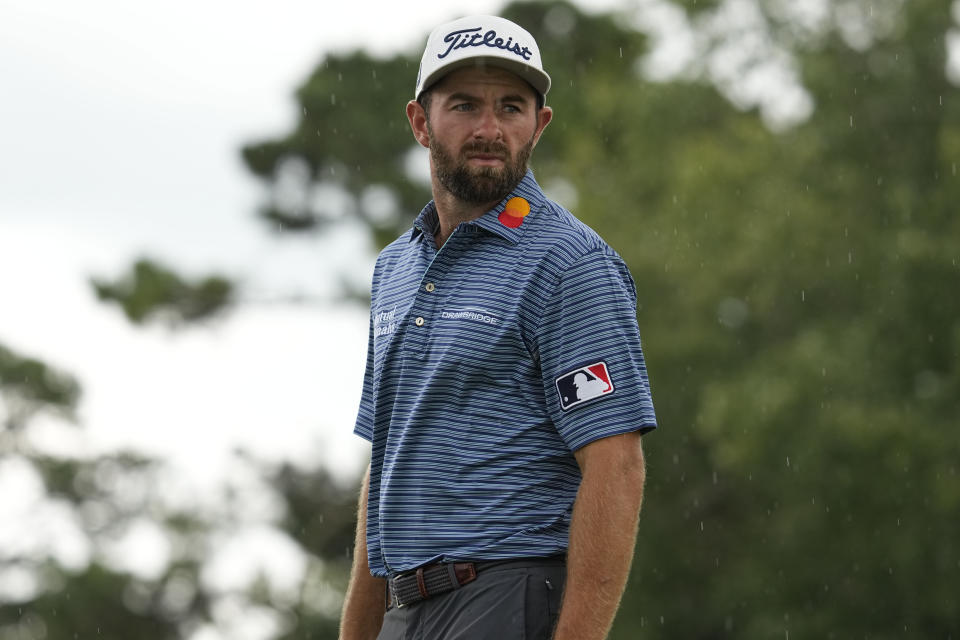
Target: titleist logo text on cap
x=460, y=40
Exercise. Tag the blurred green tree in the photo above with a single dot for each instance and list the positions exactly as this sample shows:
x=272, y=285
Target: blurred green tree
x=796, y=288
x=80, y=598
x=28, y=386
x=152, y=289
x=91, y=503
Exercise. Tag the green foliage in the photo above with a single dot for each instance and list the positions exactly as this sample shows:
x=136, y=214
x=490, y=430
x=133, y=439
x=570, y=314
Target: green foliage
x=695, y=7
x=347, y=140
x=103, y=497
x=321, y=513
x=28, y=385
x=151, y=291
x=86, y=605
x=321, y=517
x=796, y=302
x=802, y=340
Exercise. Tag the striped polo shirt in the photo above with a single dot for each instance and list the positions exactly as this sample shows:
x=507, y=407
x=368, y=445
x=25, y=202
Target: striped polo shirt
x=490, y=361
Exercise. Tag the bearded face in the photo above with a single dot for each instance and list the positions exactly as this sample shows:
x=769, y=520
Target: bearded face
x=478, y=185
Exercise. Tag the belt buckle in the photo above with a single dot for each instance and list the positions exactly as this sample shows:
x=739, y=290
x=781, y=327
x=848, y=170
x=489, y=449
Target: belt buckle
x=394, y=592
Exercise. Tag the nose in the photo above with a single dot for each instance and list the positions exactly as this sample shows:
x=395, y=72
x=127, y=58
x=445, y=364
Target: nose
x=487, y=126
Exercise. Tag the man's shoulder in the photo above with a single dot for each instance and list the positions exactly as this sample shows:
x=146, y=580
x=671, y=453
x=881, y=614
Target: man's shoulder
x=391, y=258
x=400, y=245
x=568, y=245
x=561, y=233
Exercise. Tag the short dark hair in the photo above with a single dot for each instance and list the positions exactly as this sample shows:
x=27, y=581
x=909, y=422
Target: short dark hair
x=425, y=98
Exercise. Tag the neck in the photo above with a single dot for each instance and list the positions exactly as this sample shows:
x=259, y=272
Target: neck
x=451, y=211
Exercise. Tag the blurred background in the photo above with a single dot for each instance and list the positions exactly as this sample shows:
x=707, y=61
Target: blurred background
x=191, y=199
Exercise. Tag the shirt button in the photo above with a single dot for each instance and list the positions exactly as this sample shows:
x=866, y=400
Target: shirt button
x=419, y=322
x=430, y=287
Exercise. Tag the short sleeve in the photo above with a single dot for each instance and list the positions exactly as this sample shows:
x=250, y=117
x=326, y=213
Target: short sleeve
x=364, y=424
x=594, y=375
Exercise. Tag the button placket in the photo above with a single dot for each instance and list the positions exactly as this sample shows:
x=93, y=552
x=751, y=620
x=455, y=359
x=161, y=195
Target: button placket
x=427, y=301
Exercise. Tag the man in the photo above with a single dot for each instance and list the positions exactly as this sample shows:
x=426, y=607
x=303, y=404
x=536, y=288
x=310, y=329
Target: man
x=505, y=391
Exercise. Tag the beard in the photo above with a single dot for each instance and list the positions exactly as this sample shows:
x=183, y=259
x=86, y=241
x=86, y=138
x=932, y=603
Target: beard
x=479, y=185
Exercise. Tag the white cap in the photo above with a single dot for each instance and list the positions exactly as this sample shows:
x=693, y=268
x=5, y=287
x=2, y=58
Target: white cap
x=481, y=40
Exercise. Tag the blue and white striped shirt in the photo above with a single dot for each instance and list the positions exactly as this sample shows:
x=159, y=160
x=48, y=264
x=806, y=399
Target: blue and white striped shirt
x=490, y=361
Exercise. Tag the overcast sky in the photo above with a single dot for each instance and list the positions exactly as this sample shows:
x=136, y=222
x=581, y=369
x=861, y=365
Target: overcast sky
x=120, y=125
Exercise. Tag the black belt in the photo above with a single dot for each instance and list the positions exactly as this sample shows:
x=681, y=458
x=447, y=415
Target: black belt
x=428, y=581
x=443, y=577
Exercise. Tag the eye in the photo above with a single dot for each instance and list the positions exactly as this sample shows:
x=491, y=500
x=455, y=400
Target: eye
x=512, y=108
x=463, y=106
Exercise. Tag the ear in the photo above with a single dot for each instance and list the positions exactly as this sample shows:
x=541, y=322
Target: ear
x=418, y=123
x=544, y=116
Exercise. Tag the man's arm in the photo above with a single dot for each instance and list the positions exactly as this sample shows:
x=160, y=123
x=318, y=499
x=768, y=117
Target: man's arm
x=603, y=532
x=364, y=605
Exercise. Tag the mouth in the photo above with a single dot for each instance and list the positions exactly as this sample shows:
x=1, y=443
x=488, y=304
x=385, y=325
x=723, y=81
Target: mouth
x=485, y=159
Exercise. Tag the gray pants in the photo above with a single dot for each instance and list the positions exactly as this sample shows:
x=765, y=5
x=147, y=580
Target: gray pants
x=515, y=600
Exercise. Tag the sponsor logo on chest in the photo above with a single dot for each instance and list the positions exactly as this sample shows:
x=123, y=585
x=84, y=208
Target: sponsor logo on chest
x=470, y=315
x=385, y=323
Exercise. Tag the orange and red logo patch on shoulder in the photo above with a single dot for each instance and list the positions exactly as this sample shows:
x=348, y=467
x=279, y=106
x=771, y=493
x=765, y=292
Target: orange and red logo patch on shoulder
x=514, y=212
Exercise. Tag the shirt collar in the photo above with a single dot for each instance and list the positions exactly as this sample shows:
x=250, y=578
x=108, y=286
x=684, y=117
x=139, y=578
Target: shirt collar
x=529, y=190
x=426, y=223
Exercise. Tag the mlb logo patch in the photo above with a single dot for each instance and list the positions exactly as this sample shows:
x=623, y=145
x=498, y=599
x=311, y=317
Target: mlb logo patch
x=585, y=383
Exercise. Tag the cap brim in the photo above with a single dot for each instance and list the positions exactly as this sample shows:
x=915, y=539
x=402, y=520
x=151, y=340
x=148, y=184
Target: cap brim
x=536, y=78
